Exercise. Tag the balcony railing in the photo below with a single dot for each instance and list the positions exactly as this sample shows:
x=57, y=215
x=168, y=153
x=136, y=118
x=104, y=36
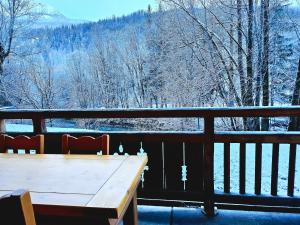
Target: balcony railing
x=181, y=164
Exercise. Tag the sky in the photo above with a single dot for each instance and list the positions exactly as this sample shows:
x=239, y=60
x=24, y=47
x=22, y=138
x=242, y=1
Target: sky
x=94, y=10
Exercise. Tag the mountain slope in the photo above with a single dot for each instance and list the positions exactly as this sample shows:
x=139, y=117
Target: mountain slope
x=52, y=18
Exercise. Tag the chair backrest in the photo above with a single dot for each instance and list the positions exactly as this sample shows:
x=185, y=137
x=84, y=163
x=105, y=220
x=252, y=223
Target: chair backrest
x=16, y=209
x=22, y=143
x=85, y=145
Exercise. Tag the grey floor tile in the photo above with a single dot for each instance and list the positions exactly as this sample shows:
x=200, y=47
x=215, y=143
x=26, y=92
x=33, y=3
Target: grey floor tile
x=187, y=216
x=226, y=217
x=150, y=215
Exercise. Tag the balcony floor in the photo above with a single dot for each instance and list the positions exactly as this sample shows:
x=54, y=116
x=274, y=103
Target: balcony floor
x=149, y=215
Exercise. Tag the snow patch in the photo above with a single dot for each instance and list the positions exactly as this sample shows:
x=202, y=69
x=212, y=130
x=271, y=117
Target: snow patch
x=24, y=128
x=250, y=168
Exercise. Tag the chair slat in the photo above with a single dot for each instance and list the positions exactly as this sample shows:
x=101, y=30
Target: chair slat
x=85, y=145
x=22, y=142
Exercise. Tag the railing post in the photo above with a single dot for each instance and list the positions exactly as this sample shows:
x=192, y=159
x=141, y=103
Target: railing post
x=39, y=125
x=209, y=127
x=2, y=126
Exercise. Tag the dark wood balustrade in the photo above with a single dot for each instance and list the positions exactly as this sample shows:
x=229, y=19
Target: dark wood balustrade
x=170, y=152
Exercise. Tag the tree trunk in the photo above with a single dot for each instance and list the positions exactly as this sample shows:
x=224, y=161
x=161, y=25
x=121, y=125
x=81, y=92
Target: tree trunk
x=259, y=58
x=259, y=63
x=249, y=101
x=265, y=65
x=3, y=100
x=240, y=57
x=2, y=57
x=249, y=88
x=231, y=66
x=294, y=124
x=240, y=50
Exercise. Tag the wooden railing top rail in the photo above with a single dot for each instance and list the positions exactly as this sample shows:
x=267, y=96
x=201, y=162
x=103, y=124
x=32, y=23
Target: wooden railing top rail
x=285, y=111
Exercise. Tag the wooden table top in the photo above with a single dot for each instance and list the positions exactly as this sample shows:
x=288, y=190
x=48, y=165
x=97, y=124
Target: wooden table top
x=73, y=183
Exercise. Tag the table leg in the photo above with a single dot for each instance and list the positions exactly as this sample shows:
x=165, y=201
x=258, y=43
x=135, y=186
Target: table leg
x=131, y=215
x=104, y=222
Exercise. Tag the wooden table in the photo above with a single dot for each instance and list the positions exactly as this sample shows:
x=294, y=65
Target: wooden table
x=85, y=186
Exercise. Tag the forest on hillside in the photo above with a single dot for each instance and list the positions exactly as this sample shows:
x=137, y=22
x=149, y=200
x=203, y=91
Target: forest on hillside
x=200, y=53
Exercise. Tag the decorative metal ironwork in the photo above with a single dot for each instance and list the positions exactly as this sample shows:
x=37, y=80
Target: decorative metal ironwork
x=121, y=150
x=143, y=153
x=184, y=168
x=140, y=153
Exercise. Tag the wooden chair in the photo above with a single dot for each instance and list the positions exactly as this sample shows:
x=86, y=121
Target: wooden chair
x=85, y=145
x=16, y=209
x=22, y=142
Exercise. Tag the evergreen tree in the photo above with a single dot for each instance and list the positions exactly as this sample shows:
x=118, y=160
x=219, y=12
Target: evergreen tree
x=156, y=52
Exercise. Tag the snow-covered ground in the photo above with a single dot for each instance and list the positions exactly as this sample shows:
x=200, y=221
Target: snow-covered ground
x=29, y=128
x=250, y=168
